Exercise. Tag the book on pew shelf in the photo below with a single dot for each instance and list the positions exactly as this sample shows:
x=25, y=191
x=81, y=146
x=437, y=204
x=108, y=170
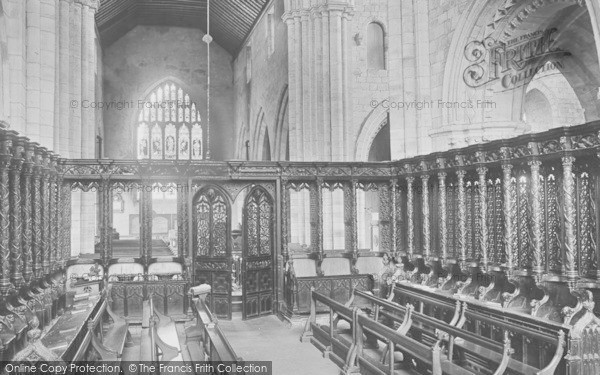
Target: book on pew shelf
x=58, y=345
x=67, y=330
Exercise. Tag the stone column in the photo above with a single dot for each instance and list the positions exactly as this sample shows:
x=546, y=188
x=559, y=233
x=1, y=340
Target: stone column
x=33, y=68
x=88, y=68
x=27, y=218
x=62, y=131
x=16, y=233
x=6, y=144
x=319, y=99
x=75, y=81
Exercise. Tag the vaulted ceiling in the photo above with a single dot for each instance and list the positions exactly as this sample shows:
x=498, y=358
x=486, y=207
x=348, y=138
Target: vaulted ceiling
x=230, y=20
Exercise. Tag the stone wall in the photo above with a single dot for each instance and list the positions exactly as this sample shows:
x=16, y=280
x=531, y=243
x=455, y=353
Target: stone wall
x=49, y=68
x=148, y=55
x=261, y=97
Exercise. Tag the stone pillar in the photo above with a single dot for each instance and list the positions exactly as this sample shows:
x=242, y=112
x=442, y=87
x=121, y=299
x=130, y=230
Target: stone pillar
x=88, y=87
x=16, y=76
x=6, y=144
x=75, y=121
x=33, y=68
x=48, y=73
x=319, y=99
x=62, y=131
x=16, y=234
x=27, y=218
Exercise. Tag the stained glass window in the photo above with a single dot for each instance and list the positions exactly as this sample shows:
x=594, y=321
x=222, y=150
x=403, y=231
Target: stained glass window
x=169, y=126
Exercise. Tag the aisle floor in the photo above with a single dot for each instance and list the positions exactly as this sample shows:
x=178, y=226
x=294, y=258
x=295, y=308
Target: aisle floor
x=269, y=339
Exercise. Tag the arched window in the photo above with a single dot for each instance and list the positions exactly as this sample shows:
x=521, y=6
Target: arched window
x=375, y=46
x=169, y=125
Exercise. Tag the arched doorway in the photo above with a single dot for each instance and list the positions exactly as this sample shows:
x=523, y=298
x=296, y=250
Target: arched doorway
x=212, y=247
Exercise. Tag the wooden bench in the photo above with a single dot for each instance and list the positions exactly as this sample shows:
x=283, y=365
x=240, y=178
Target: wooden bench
x=354, y=356
x=430, y=331
x=109, y=346
x=152, y=347
x=205, y=340
x=491, y=323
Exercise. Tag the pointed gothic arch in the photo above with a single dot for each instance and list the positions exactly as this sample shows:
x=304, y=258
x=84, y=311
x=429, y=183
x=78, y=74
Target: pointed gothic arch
x=169, y=125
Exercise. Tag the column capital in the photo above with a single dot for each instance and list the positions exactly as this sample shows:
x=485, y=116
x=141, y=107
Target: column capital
x=92, y=4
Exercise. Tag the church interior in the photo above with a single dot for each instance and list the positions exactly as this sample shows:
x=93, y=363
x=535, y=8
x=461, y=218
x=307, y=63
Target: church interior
x=326, y=186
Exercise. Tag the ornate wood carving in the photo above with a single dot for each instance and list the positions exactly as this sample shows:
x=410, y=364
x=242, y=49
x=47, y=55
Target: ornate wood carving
x=409, y=213
x=394, y=213
x=45, y=223
x=482, y=216
x=536, y=211
x=37, y=242
x=27, y=218
x=319, y=221
x=16, y=233
x=443, y=215
x=462, y=215
x=426, y=218
x=5, y=162
x=569, y=217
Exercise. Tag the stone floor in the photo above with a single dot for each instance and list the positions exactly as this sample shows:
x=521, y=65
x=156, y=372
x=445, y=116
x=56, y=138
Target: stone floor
x=269, y=339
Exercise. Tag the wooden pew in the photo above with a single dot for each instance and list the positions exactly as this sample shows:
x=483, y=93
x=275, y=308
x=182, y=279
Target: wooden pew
x=152, y=347
x=490, y=322
x=205, y=340
x=109, y=346
x=355, y=357
x=430, y=331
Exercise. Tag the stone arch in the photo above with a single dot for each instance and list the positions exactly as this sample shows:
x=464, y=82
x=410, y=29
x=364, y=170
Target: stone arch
x=369, y=130
x=282, y=127
x=495, y=20
x=242, y=137
x=539, y=110
x=370, y=48
x=260, y=129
